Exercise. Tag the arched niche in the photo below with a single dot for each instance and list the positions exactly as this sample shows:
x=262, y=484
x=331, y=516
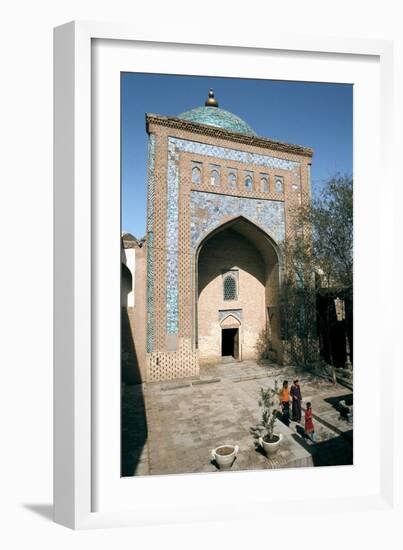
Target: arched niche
x=242, y=248
x=126, y=286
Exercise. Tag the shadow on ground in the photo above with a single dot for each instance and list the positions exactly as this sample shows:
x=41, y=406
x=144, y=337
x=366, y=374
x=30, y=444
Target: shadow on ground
x=134, y=428
x=333, y=452
x=256, y=432
x=335, y=402
x=283, y=418
x=133, y=412
x=43, y=510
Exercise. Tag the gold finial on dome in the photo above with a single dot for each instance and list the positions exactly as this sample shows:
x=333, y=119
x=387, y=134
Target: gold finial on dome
x=211, y=100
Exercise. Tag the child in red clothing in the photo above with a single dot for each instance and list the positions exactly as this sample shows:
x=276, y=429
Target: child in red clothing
x=309, y=427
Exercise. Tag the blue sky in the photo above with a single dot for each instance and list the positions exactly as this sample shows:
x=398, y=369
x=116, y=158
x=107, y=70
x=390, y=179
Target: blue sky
x=316, y=115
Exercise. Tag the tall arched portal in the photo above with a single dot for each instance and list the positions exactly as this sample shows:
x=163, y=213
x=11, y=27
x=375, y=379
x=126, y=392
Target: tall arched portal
x=237, y=293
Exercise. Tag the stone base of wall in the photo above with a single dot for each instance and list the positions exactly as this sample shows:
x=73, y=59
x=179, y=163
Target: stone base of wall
x=171, y=365
x=214, y=359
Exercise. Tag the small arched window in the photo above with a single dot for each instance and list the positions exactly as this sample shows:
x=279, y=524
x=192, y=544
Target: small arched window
x=196, y=174
x=279, y=185
x=264, y=185
x=248, y=182
x=214, y=177
x=229, y=287
x=232, y=180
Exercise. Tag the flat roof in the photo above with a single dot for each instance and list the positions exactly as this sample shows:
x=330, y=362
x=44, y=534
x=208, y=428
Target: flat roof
x=198, y=128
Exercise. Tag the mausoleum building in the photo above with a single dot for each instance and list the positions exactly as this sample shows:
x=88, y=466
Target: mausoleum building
x=221, y=201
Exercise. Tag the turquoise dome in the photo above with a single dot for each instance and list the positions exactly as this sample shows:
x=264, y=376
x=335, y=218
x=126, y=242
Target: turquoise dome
x=214, y=116
x=211, y=115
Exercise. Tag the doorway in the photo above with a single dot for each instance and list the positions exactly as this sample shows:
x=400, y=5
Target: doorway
x=230, y=342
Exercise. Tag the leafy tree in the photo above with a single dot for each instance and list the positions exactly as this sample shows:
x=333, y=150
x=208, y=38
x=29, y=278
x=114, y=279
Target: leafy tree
x=322, y=244
x=297, y=300
x=331, y=216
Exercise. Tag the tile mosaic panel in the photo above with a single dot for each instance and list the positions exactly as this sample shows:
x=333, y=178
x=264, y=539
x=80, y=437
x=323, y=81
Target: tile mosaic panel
x=172, y=238
x=268, y=214
x=232, y=154
x=208, y=210
x=223, y=313
x=150, y=241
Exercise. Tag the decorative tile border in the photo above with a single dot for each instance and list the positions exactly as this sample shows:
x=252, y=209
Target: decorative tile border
x=172, y=318
x=225, y=153
x=270, y=214
x=150, y=241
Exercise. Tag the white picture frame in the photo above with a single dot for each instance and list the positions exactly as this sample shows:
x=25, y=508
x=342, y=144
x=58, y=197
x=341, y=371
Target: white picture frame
x=85, y=496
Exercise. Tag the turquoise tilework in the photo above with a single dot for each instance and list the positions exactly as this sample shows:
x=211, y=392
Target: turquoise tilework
x=268, y=214
x=220, y=118
x=223, y=313
x=150, y=242
x=233, y=154
x=172, y=238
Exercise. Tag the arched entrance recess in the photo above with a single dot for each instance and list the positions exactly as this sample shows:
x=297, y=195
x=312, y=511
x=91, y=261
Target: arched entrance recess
x=126, y=286
x=237, y=269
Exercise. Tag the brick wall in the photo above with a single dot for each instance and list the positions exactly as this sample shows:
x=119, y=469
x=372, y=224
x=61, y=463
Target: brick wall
x=180, y=222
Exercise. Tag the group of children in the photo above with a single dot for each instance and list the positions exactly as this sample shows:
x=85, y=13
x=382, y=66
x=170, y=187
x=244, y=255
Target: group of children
x=294, y=395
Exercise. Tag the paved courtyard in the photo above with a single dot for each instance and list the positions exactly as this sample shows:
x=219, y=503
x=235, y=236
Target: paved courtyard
x=171, y=427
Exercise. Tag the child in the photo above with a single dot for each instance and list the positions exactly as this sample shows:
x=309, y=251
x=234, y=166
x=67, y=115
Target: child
x=309, y=428
x=284, y=398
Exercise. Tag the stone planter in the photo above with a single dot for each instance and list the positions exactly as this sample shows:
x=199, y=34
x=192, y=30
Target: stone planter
x=270, y=447
x=225, y=455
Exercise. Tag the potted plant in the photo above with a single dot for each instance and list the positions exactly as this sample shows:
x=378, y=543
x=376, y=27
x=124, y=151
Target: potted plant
x=225, y=455
x=270, y=441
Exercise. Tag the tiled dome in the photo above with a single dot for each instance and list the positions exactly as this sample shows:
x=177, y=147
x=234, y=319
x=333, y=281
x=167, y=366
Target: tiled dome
x=211, y=115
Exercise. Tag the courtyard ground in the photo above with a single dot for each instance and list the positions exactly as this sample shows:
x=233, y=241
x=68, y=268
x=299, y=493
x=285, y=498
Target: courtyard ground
x=171, y=427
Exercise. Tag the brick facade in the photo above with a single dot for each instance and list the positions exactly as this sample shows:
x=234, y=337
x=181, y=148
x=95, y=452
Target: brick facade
x=212, y=190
